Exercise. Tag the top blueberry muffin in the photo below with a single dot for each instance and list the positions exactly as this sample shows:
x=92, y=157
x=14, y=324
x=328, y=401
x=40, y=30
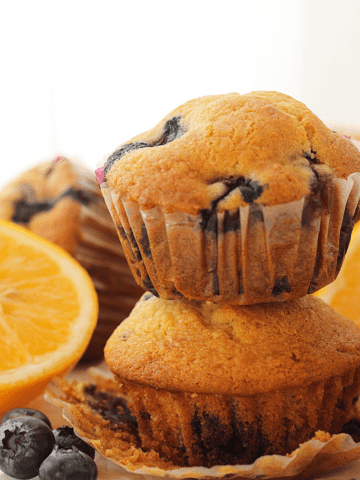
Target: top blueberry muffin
x=229, y=151
x=237, y=199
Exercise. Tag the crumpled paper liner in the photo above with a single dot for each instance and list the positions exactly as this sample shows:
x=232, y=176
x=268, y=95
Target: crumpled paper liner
x=248, y=255
x=317, y=456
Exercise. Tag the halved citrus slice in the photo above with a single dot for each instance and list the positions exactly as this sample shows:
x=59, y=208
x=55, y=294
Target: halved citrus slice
x=48, y=312
x=344, y=293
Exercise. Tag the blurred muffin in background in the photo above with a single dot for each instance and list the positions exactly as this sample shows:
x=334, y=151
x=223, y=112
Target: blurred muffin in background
x=61, y=201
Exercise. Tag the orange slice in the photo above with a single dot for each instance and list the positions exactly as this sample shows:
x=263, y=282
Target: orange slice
x=48, y=312
x=344, y=293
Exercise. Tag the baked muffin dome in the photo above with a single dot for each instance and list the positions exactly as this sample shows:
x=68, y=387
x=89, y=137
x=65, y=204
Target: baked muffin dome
x=230, y=150
x=237, y=199
x=61, y=201
x=216, y=384
x=204, y=347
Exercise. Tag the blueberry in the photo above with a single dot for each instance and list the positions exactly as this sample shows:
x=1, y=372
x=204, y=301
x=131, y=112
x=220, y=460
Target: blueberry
x=65, y=437
x=172, y=131
x=24, y=210
x=30, y=412
x=118, y=154
x=25, y=442
x=281, y=285
x=250, y=189
x=147, y=296
x=80, y=196
x=68, y=464
x=311, y=156
x=352, y=428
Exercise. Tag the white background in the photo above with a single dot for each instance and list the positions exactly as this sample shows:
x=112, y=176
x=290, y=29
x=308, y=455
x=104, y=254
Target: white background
x=78, y=78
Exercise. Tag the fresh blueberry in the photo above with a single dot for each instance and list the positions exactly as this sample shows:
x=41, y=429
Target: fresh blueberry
x=30, y=412
x=65, y=437
x=68, y=464
x=25, y=442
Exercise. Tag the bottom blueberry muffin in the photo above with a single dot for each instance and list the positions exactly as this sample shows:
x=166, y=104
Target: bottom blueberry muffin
x=212, y=384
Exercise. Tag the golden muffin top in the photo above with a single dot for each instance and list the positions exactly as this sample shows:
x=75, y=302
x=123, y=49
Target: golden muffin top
x=202, y=347
x=229, y=151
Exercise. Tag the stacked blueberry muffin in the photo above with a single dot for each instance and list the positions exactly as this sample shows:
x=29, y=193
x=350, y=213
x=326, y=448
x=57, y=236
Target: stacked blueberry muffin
x=230, y=212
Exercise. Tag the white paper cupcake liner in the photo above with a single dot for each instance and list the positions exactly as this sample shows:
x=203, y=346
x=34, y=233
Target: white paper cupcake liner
x=248, y=255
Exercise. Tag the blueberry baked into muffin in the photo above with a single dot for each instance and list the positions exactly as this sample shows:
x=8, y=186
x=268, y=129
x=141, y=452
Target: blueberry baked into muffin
x=61, y=201
x=235, y=198
x=230, y=210
x=204, y=384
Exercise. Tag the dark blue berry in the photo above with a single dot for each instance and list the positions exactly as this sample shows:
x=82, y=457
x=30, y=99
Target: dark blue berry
x=352, y=428
x=250, y=189
x=65, y=437
x=172, y=131
x=281, y=285
x=30, y=412
x=68, y=464
x=26, y=208
x=147, y=296
x=25, y=442
x=118, y=154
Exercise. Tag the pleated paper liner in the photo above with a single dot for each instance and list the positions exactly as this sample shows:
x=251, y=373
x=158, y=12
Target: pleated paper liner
x=317, y=456
x=253, y=254
x=100, y=253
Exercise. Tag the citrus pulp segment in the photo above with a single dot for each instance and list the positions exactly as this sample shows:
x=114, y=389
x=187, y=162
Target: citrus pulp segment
x=48, y=312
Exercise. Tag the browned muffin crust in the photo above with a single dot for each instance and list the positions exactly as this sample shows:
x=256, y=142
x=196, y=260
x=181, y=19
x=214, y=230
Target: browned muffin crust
x=207, y=348
x=230, y=150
